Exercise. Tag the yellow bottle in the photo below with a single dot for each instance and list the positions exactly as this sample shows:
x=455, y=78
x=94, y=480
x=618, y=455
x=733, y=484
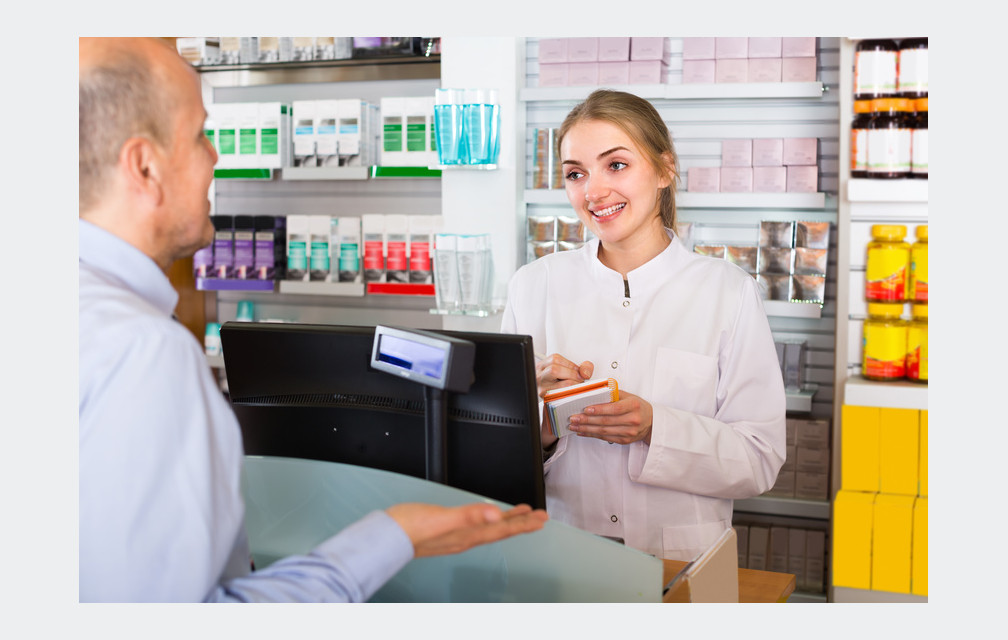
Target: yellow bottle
x=884, y=342
x=917, y=345
x=919, y=267
x=888, y=261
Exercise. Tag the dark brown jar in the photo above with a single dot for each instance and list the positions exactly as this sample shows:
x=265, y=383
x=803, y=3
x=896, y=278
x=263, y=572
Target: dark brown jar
x=876, y=69
x=859, y=138
x=919, y=141
x=913, y=68
x=889, y=138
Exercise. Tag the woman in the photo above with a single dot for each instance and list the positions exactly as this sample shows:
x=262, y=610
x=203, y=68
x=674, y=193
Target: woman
x=700, y=419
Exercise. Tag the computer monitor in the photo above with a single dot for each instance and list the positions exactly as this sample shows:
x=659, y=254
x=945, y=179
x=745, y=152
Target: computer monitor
x=309, y=391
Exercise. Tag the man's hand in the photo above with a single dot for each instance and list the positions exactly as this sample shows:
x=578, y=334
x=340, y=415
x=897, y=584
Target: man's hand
x=436, y=530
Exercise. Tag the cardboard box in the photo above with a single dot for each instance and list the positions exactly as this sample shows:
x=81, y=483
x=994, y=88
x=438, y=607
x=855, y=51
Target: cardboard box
x=759, y=545
x=802, y=179
x=812, y=433
x=784, y=486
x=698, y=48
x=813, y=460
x=815, y=560
x=798, y=47
x=899, y=432
x=764, y=47
x=731, y=48
x=859, y=448
x=922, y=466
x=731, y=70
x=764, y=70
x=796, y=557
x=892, y=541
x=811, y=485
x=582, y=73
x=703, y=179
x=614, y=73
x=613, y=49
x=769, y=179
x=790, y=457
x=919, y=554
x=647, y=71
x=853, y=514
x=798, y=69
x=790, y=424
x=736, y=153
x=801, y=151
x=582, y=49
x=552, y=50
x=651, y=48
x=699, y=71
x=768, y=152
x=554, y=74
x=778, y=549
x=736, y=179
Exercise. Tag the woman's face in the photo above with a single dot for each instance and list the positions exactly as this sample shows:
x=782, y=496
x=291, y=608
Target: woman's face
x=611, y=184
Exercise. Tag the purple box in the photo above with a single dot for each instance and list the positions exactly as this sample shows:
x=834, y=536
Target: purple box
x=552, y=50
x=768, y=152
x=582, y=49
x=610, y=73
x=649, y=49
x=801, y=151
x=613, y=49
x=769, y=179
x=802, y=179
x=798, y=69
x=704, y=179
x=698, y=71
x=647, y=71
x=765, y=47
x=764, y=69
x=736, y=179
x=736, y=153
x=731, y=70
x=798, y=47
x=731, y=48
x=698, y=48
x=582, y=73
x=554, y=74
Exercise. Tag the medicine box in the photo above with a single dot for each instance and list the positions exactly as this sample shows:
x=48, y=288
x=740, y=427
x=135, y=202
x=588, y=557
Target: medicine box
x=614, y=49
x=798, y=47
x=859, y=448
x=899, y=431
x=731, y=48
x=802, y=179
x=698, y=49
x=552, y=50
x=919, y=553
x=778, y=560
x=892, y=537
x=798, y=69
x=303, y=118
x=768, y=152
x=764, y=70
x=274, y=132
x=742, y=544
x=731, y=70
x=582, y=73
x=582, y=49
x=393, y=147
x=769, y=179
x=703, y=179
x=759, y=544
x=800, y=151
x=853, y=513
x=647, y=71
x=736, y=153
x=815, y=560
x=812, y=433
x=614, y=73
x=650, y=48
x=736, y=179
x=699, y=71
x=326, y=133
x=764, y=47
x=796, y=556
x=553, y=74
x=922, y=466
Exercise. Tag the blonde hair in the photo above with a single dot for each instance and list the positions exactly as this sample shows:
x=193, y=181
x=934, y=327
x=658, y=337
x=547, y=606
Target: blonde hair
x=640, y=120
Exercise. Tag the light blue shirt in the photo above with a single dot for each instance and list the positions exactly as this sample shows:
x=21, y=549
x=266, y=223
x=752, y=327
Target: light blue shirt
x=161, y=510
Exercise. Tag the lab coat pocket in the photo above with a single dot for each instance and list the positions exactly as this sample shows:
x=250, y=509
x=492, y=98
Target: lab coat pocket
x=685, y=380
x=686, y=542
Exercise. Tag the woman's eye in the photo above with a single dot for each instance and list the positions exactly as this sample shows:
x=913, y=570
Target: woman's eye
x=573, y=175
x=616, y=165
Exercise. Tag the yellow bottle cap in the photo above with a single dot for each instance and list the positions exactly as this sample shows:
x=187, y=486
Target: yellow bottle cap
x=921, y=232
x=889, y=231
x=887, y=310
x=921, y=104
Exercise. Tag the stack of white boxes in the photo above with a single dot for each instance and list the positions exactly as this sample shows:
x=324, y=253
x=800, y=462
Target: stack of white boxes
x=761, y=165
x=710, y=60
x=565, y=62
x=408, y=132
x=335, y=133
x=250, y=134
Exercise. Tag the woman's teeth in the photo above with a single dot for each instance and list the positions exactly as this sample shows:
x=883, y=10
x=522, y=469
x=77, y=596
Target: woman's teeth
x=608, y=211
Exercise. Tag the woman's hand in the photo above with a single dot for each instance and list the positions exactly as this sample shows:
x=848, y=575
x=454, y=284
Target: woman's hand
x=627, y=420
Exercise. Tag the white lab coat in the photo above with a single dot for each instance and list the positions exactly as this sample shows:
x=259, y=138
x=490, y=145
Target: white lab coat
x=693, y=340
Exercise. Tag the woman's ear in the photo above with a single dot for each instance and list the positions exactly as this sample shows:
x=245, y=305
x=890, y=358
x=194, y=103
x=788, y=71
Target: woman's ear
x=668, y=175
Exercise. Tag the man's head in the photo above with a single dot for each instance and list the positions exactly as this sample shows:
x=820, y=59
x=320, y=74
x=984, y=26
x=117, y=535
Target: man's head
x=145, y=165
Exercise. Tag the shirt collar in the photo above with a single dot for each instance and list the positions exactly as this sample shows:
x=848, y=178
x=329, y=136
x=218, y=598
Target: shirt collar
x=661, y=263
x=120, y=261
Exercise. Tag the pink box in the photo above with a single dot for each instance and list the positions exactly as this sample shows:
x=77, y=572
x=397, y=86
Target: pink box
x=798, y=47
x=764, y=70
x=736, y=179
x=582, y=73
x=553, y=74
x=736, y=153
x=698, y=48
x=731, y=48
x=798, y=69
x=582, y=49
x=698, y=71
x=731, y=70
x=765, y=47
x=552, y=50
x=613, y=49
x=802, y=179
x=801, y=151
x=768, y=152
x=769, y=179
x=649, y=49
x=704, y=179
x=647, y=71
x=610, y=73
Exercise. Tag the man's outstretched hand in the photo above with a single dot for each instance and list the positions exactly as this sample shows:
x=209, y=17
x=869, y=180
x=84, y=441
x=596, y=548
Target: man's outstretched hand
x=436, y=530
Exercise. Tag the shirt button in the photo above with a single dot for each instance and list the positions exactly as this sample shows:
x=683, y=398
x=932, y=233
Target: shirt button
x=614, y=364
x=626, y=303
x=614, y=518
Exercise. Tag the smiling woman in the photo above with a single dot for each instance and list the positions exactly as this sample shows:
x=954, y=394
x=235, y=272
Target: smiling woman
x=700, y=419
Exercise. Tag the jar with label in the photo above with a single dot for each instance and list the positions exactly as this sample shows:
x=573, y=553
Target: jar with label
x=913, y=68
x=917, y=345
x=919, y=141
x=888, y=258
x=859, y=138
x=884, y=342
x=918, y=286
x=889, y=138
x=876, y=65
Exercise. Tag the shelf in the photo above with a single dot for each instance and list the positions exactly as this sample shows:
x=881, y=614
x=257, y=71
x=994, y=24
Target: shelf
x=792, y=507
x=687, y=91
x=849, y=594
x=318, y=288
x=465, y=167
x=906, y=190
x=805, y=596
x=473, y=313
x=244, y=174
x=801, y=399
x=400, y=289
x=386, y=68
x=785, y=309
x=320, y=64
x=224, y=284
x=325, y=173
x=896, y=394
x=687, y=200
x=405, y=172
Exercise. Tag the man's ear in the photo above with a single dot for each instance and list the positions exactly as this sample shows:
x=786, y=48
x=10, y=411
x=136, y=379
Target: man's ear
x=139, y=165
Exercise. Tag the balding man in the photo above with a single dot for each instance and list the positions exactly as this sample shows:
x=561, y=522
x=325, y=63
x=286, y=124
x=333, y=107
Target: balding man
x=161, y=512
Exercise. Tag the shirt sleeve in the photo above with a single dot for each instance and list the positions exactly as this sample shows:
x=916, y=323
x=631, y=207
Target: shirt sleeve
x=737, y=452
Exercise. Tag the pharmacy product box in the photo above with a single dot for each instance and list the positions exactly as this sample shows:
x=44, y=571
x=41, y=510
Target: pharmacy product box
x=919, y=554
x=373, y=240
x=892, y=542
x=396, y=247
x=769, y=179
x=768, y=152
x=802, y=179
x=580, y=74
x=811, y=486
x=349, y=248
x=298, y=237
x=853, y=513
x=613, y=49
x=798, y=69
x=764, y=47
x=274, y=135
x=790, y=424
x=736, y=179
x=800, y=151
x=736, y=153
x=784, y=485
x=647, y=71
x=699, y=71
x=923, y=464
x=421, y=249
x=815, y=460
x=247, y=115
x=420, y=147
x=225, y=119
x=698, y=48
x=327, y=137
x=790, y=457
x=731, y=48
x=230, y=50
x=352, y=114
x=899, y=433
x=815, y=560
x=812, y=433
x=393, y=148
x=319, y=254
x=554, y=74
x=731, y=70
x=859, y=448
x=703, y=179
x=796, y=557
x=199, y=51
x=759, y=545
x=798, y=47
x=764, y=70
x=778, y=560
x=582, y=49
x=303, y=117
x=552, y=50
x=614, y=73
x=651, y=48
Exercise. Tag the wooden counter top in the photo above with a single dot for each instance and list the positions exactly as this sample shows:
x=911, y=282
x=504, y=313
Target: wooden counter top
x=754, y=585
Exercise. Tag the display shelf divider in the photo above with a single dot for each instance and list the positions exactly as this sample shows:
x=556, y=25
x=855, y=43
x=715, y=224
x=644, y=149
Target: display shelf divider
x=895, y=394
x=244, y=174
x=404, y=172
x=400, y=289
x=354, y=289
x=801, y=399
x=325, y=173
x=786, y=309
x=226, y=284
x=903, y=190
x=792, y=507
x=685, y=91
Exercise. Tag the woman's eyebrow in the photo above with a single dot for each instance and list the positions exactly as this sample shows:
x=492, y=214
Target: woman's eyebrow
x=600, y=156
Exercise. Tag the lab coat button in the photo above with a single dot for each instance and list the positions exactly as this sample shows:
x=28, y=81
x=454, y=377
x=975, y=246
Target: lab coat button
x=614, y=518
x=614, y=364
x=626, y=303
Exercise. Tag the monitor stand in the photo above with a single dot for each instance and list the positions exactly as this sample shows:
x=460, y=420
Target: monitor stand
x=436, y=428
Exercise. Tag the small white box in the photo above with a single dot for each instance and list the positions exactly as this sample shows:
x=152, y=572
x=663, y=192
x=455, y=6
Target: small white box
x=736, y=153
x=393, y=148
x=552, y=50
x=650, y=48
x=274, y=135
x=698, y=48
x=698, y=71
x=768, y=152
x=769, y=179
x=798, y=69
x=327, y=140
x=764, y=70
x=614, y=73
x=704, y=179
x=764, y=47
x=647, y=71
x=582, y=73
x=736, y=179
x=731, y=48
x=582, y=49
x=802, y=179
x=554, y=74
x=801, y=151
x=303, y=118
x=613, y=49
x=731, y=70
x=798, y=47
x=199, y=51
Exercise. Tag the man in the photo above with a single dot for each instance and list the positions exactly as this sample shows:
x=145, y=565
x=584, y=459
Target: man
x=161, y=513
